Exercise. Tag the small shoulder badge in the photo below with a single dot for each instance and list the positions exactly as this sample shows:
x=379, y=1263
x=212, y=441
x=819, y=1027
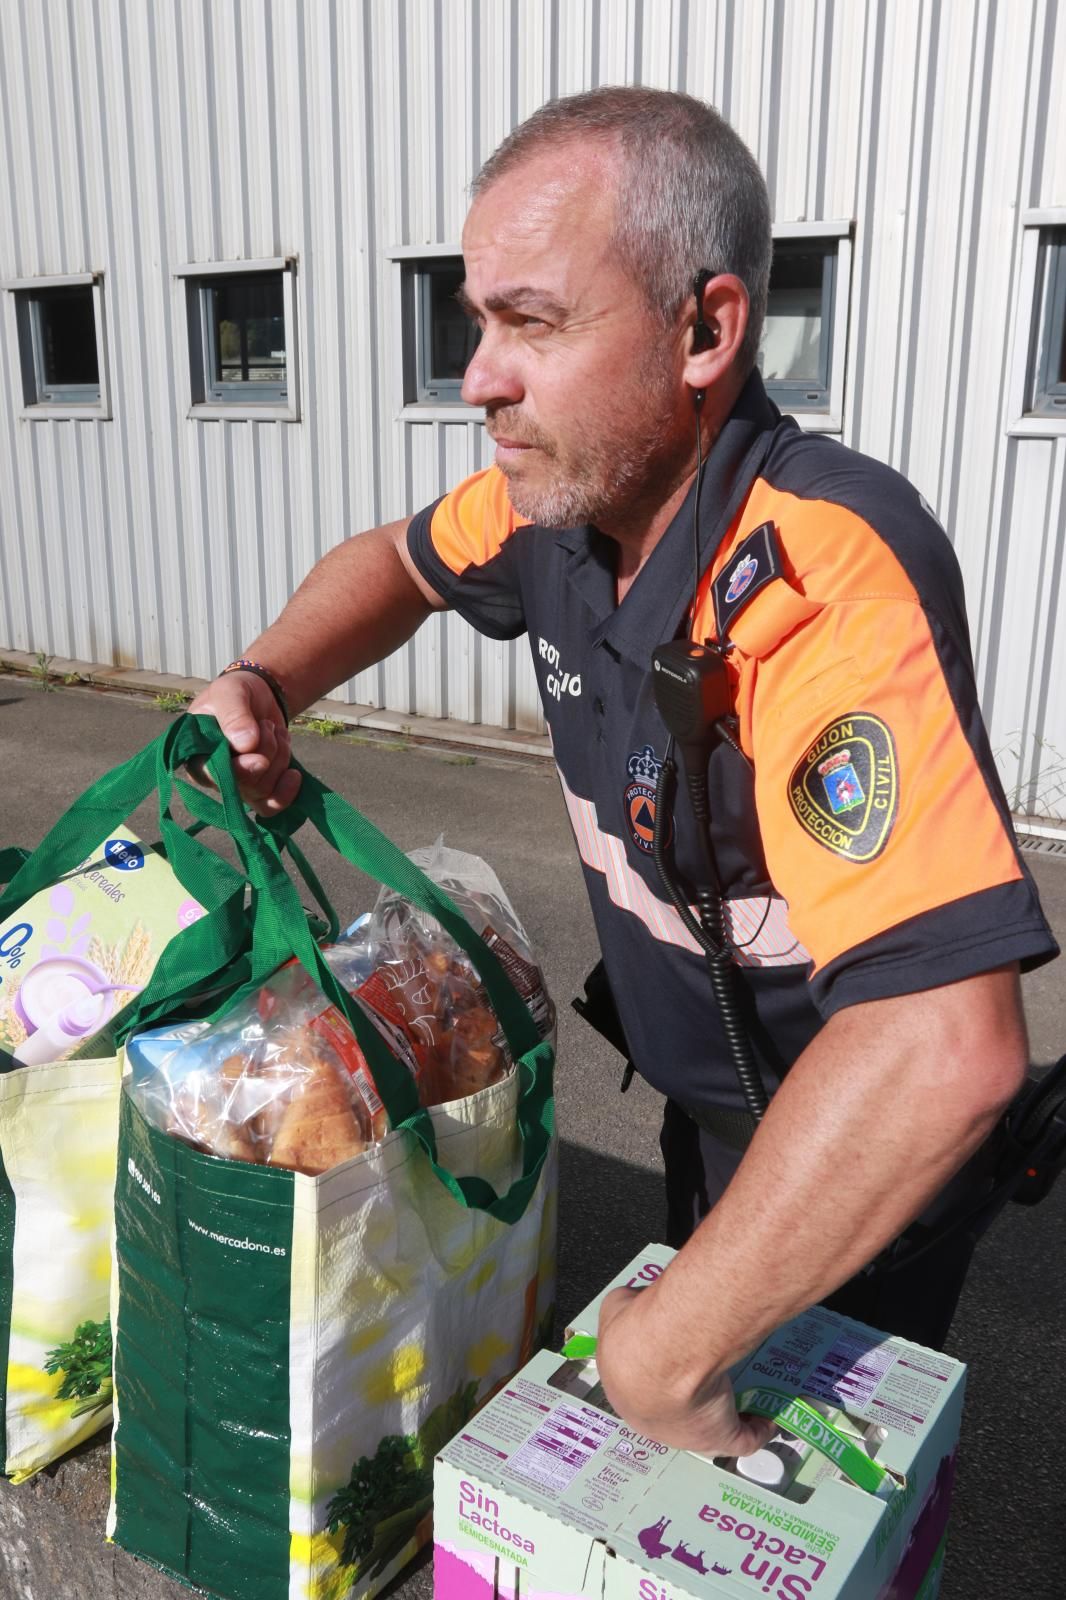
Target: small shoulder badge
x=844, y=791
x=753, y=564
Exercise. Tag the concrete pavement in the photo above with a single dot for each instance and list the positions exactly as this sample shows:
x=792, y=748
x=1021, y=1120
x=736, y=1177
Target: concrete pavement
x=1007, y=1531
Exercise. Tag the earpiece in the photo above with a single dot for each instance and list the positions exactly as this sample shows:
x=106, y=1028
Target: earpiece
x=703, y=337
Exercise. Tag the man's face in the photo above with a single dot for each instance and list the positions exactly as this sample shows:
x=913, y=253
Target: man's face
x=579, y=379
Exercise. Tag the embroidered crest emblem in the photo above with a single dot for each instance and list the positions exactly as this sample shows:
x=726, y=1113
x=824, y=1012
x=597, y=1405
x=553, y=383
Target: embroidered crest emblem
x=844, y=791
x=740, y=578
x=638, y=801
x=756, y=562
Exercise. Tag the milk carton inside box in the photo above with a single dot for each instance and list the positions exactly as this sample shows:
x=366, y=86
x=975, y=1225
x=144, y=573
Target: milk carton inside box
x=547, y=1495
x=76, y=953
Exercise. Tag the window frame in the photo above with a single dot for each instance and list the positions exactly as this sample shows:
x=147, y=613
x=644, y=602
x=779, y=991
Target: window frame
x=1040, y=308
x=255, y=402
x=41, y=401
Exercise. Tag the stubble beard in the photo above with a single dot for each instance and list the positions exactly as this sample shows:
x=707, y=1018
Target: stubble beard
x=606, y=467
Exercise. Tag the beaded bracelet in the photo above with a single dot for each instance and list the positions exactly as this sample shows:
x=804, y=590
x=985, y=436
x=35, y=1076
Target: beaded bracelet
x=243, y=664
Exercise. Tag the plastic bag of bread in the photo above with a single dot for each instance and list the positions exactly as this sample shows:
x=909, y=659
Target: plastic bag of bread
x=280, y=1080
x=424, y=984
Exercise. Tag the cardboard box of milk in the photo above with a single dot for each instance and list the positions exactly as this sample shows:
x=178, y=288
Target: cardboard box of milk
x=76, y=953
x=547, y=1495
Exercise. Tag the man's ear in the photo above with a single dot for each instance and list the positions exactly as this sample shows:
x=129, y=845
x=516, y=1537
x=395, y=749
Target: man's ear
x=714, y=340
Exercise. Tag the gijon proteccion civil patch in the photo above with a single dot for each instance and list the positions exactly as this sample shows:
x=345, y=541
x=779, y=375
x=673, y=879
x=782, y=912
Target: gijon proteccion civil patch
x=844, y=790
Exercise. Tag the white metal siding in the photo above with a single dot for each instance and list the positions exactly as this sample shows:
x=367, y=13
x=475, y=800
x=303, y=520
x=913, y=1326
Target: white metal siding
x=134, y=138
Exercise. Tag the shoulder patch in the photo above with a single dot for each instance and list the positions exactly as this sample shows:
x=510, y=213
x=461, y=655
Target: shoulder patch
x=753, y=564
x=844, y=790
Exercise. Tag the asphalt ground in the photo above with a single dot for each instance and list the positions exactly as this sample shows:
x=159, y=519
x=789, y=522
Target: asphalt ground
x=1007, y=1535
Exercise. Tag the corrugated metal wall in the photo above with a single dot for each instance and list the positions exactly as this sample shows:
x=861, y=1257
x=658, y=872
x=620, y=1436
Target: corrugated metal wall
x=136, y=137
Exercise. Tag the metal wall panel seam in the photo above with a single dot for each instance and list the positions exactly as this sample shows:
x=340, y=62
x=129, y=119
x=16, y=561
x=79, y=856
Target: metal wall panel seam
x=820, y=104
x=386, y=449
x=460, y=648
x=972, y=463
x=197, y=446
x=28, y=95
x=1036, y=680
x=1011, y=158
x=966, y=218
x=127, y=642
x=1018, y=609
x=297, y=443
x=924, y=152
x=770, y=93
x=57, y=123
x=1045, y=62
x=1019, y=511
x=169, y=552
x=177, y=234
x=864, y=209
x=14, y=596
x=794, y=95
x=311, y=525
x=1053, y=177
x=240, y=117
x=66, y=529
x=140, y=421
x=891, y=226
x=243, y=541
x=344, y=260
x=38, y=556
x=76, y=123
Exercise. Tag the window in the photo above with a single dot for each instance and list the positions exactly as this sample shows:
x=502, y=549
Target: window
x=242, y=339
x=438, y=337
x=446, y=336
x=61, y=345
x=801, y=356
x=1047, y=381
x=797, y=334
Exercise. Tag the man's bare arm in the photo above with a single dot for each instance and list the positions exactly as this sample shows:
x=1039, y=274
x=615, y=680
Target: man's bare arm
x=882, y=1108
x=358, y=604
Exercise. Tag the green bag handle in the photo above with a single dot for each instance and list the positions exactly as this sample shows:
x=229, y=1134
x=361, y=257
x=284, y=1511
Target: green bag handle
x=200, y=954
x=280, y=925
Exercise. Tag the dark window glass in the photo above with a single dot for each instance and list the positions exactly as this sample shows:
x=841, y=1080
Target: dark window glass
x=248, y=329
x=795, y=341
x=451, y=337
x=67, y=331
x=1048, y=380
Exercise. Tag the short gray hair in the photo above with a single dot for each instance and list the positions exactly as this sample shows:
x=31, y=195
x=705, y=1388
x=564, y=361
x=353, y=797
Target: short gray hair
x=690, y=193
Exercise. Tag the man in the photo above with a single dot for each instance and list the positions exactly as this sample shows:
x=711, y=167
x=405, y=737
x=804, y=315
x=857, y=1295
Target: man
x=617, y=258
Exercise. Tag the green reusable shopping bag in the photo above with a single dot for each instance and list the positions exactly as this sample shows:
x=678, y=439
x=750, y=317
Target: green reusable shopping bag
x=291, y=1352
x=59, y=1120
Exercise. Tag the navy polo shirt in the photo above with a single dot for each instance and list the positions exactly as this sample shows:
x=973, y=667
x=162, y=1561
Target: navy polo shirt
x=862, y=837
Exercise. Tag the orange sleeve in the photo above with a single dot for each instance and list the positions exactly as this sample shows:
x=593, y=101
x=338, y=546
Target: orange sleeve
x=462, y=546
x=471, y=524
